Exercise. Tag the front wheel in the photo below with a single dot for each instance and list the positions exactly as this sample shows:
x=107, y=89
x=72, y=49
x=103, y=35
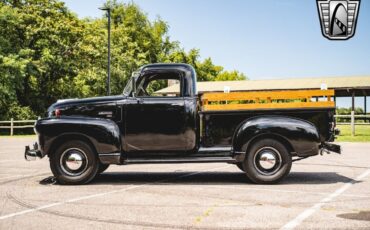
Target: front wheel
x=267, y=162
x=74, y=162
x=102, y=168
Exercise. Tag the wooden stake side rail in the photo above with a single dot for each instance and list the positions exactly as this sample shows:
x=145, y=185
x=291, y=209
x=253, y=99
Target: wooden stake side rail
x=267, y=100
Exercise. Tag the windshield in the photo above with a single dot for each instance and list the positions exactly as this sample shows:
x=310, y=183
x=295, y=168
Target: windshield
x=128, y=88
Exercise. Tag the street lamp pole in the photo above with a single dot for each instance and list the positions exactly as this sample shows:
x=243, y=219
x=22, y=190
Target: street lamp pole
x=108, y=68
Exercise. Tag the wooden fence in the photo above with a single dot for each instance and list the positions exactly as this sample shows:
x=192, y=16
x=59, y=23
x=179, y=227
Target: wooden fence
x=352, y=118
x=12, y=124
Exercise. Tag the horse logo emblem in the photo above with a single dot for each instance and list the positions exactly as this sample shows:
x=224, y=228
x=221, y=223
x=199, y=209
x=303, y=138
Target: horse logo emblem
x=338, y=18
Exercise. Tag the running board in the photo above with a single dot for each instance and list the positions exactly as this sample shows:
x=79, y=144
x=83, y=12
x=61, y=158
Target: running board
x=180, y=160
x=213, y=151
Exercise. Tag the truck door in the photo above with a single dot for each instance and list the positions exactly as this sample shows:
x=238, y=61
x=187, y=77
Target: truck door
x=156, y=122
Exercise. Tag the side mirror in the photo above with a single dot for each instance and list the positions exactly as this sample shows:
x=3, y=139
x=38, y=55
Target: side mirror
x=133, y=82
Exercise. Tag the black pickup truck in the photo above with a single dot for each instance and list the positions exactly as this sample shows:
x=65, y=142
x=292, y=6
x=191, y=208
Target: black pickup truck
x=82, y=137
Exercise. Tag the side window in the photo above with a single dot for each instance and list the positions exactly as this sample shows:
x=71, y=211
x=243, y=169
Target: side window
x=160, y=85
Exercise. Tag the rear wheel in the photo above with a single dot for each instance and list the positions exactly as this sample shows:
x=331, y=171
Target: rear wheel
x=267, y=162
x=74, y=162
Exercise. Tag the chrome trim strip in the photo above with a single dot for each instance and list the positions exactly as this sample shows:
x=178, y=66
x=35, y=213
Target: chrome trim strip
x=239, y=152
x=181, y=160
x=109, y=154
x=215, y=149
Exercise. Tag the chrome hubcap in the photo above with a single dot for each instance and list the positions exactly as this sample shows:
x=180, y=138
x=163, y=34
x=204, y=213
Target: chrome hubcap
x=73, y=161
x=267, y=161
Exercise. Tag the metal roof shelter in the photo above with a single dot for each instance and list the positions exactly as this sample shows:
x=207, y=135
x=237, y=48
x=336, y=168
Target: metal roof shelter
x=343, y=86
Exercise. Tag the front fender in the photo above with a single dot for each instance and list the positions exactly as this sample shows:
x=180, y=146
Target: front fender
x=301, y=136
x=104, y=134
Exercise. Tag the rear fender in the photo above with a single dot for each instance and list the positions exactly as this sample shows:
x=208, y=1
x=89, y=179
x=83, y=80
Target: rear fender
x=301, y=137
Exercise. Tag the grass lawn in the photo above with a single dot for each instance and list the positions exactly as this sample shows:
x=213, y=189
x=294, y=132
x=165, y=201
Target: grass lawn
x=362, y=133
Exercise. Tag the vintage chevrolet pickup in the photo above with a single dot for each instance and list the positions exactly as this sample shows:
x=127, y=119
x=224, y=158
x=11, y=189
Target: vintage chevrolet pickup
x=261, y=132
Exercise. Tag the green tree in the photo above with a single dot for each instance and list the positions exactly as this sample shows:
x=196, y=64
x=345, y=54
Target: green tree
x=206, y=70
x=48, y=53
x=13, y=60
x=44, y=39
x=230, y=76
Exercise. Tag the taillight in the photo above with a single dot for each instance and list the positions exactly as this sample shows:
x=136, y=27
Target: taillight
x=332, y=126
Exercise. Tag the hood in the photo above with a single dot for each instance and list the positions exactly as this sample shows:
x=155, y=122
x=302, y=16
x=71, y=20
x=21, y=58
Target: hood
x=92, y=107
x=62, y=103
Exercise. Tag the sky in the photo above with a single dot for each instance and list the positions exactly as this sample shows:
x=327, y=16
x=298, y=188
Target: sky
x=265, y=39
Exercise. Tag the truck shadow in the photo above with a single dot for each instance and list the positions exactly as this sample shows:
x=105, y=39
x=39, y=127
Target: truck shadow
x=209, y=178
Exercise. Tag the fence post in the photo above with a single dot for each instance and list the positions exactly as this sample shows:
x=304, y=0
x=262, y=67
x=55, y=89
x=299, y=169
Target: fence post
x=11, y=126
x=353, y=122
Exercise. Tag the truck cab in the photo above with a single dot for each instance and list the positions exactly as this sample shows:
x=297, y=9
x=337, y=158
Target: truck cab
x=82, y=137
x=168, y=119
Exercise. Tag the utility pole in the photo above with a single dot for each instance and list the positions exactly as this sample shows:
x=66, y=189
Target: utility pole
x=108, y=68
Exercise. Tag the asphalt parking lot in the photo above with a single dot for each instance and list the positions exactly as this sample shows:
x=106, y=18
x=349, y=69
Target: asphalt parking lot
x=330, y=191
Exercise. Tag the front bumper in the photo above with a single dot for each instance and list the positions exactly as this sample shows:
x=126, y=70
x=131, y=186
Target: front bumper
x=32, y=154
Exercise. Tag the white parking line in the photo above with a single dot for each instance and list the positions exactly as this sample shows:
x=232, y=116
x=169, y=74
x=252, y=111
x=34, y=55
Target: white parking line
x=286, y=191
x=308, y=212
x=100, y=194
x=22, y=176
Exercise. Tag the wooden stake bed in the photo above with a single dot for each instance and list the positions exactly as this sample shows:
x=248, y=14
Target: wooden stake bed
x=287, y=99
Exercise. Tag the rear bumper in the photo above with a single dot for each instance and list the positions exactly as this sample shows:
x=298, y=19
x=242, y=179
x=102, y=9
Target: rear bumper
x=329, y=147
x=32, y=154
x=336, y=132
x=334, y=135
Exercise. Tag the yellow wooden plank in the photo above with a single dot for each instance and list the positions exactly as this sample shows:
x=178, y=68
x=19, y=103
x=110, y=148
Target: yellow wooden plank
x=319, y=104
x=272, y=95
x=263, y=100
